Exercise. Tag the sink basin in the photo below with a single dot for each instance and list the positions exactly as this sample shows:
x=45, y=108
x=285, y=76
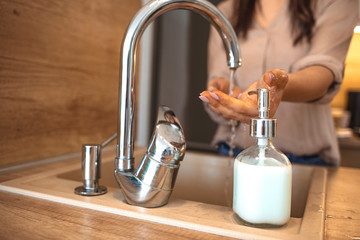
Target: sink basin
x=201, y=200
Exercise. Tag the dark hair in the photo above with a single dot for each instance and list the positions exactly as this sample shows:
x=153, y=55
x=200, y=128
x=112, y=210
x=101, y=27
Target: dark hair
x=301, y=12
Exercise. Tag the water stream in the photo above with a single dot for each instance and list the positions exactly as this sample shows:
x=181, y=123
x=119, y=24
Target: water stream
x=233, y=124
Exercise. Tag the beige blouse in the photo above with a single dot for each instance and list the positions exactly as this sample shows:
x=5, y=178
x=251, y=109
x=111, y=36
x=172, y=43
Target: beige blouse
x=303, y=128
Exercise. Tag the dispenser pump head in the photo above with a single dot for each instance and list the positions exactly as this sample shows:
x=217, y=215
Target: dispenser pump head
x=263, y=103
x=263, y=127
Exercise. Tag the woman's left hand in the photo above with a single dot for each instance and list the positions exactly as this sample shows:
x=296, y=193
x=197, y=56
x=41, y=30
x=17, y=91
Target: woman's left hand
x=244, y=107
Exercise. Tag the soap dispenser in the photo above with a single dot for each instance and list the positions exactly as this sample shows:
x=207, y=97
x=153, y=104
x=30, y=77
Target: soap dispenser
x=262, y=174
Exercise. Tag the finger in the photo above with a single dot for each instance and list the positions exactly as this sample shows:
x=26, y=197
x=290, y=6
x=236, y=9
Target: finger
x=236, y=107
x=276, y=78
x=224, y=110
x=213, y=101
x=212, y=89
x=219, y=83
x=236, y=92
x=212, y=85
x=209, y=98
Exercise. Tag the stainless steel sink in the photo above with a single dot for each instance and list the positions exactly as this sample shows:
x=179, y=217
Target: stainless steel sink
x=208, y=178
x=201, y=200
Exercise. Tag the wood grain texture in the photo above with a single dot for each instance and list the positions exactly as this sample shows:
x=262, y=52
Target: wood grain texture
x=31, y=218
x=343, y=204
x=59, y=65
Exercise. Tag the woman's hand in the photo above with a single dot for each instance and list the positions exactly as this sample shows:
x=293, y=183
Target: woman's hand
x=223, y=85
x=243, y=107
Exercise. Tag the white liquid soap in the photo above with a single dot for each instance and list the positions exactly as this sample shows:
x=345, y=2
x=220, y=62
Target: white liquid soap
x=262, y=193
x=262, y=174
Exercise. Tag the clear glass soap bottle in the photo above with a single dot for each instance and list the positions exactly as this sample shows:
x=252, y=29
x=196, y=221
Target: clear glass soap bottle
x=262, y=174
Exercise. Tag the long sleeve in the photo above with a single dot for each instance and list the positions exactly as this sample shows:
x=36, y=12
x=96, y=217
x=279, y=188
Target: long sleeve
x=303, y=128
x=335, y=22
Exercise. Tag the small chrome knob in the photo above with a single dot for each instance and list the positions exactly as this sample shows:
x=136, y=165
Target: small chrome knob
x=91, y=171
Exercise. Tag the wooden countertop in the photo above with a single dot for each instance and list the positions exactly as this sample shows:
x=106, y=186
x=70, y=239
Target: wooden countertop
x=30, y=218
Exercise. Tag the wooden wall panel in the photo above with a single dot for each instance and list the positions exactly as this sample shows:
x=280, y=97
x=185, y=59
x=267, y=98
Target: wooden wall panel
x=59, y=67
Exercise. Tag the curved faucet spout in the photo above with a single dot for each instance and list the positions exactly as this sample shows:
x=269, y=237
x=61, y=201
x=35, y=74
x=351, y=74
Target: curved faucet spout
x=124, y=161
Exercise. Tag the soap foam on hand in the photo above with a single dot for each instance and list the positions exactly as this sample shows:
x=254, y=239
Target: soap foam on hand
x=262, y=194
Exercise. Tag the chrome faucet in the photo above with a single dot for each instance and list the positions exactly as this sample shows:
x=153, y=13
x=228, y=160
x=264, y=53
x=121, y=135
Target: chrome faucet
x=152, y=183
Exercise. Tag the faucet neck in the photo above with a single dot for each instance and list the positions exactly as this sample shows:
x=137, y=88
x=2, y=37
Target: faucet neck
x=126, y=115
